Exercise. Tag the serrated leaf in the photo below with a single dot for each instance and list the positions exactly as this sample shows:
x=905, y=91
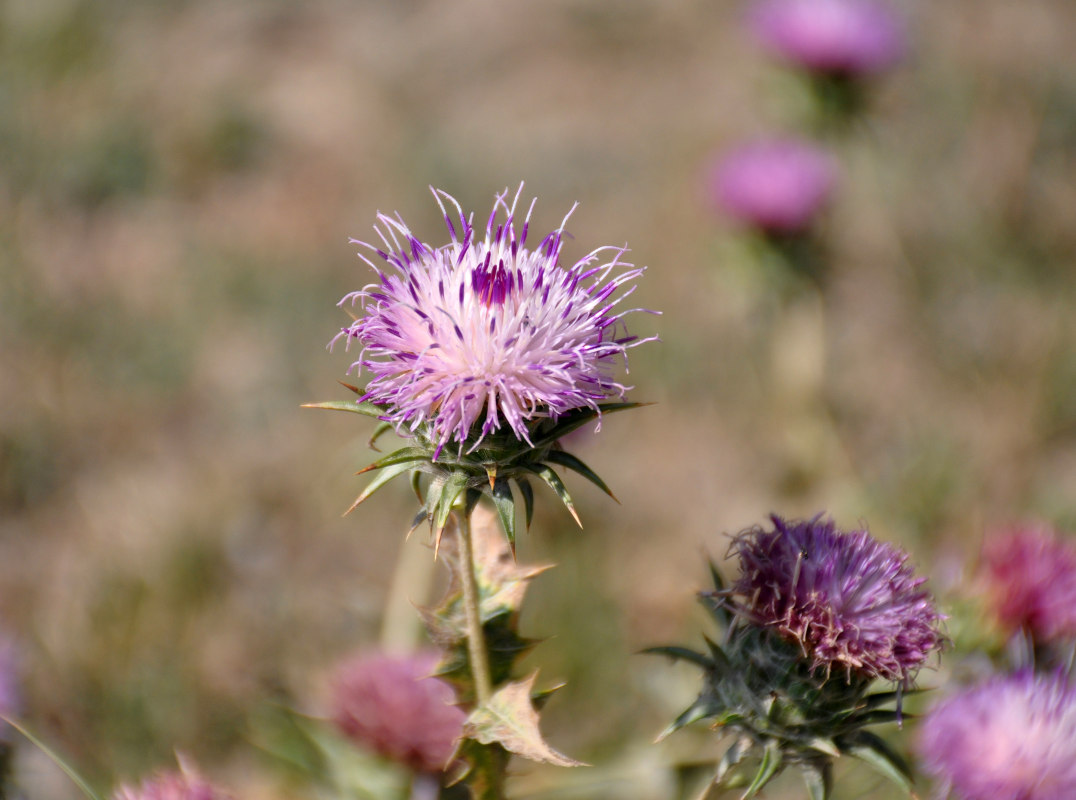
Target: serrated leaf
x=767, y=769
x=554, y=482
x=510, y=720
x=367, y=409
x=383, y=477
x=568, y=461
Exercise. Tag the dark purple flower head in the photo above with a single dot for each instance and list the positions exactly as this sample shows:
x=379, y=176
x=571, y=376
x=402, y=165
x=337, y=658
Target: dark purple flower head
x=847, y=599
x=486, y=332
x=393, y=706
x=1012, y=737
x=775, y=185
x=1030, y=577
x=831, y=37
x=184, y=784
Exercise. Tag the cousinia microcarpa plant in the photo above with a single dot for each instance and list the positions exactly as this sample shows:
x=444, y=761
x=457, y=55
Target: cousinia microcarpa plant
x=482, y=354
x=815, y=618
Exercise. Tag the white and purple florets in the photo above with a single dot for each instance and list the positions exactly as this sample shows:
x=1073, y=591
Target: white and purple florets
x=485, y=332
x=1011, y=737
x=850, y=601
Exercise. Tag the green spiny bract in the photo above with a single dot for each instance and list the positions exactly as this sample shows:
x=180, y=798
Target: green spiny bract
x=763, y=690
x=490, y=469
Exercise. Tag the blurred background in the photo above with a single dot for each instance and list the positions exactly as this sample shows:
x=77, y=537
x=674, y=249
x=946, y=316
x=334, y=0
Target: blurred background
x=178, y=182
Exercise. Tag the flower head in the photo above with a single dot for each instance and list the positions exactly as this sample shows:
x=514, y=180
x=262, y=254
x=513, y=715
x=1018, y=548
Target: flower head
x=847, y=599
x=832, y=37
x=487, y=333
x=1012, y=737
x=775, y=185
x=392, y=705
x=184, y=784
x=1030, y=577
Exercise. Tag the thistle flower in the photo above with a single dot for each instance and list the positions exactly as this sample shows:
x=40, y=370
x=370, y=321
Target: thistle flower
x=393, y=706
x=484, y=334
x=848, y=600
x=184, y=784
x=1012, y=737
x=1030, y=578
x=775, y=185
x=831, y=37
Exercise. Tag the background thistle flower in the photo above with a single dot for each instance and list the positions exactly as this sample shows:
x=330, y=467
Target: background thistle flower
x=776, y=186
x=849, y=601
x=184, y=784
x=1011, y=737
x=816, y=616
x=393, y=706
x=833, y=37
x=1029, y=574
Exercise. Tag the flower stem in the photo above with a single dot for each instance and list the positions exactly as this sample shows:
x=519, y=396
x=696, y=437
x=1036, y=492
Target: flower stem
x=476, y=639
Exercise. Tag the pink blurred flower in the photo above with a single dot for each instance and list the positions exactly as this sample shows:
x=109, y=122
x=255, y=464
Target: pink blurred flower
x=391, y=705
x=1030, y=577
x=1012, y=737
x=183, y=784
x=774, y=185
x=836, y=37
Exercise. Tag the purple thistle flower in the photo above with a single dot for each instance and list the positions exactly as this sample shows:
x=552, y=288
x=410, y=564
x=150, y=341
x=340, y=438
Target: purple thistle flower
x=847, y=599
x=393, y=706
x=184, y=784
x=1030, y=577
x=1012, y=737
x=480, y=334
x=831, y=37
x=775, y=185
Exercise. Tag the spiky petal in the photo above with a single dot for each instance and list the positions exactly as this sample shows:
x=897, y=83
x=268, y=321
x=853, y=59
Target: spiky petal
x=849, y=601
x=1029, y=572
x=486, y=332
x=1011, y=737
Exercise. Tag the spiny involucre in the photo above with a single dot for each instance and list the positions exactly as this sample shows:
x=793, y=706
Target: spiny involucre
x=485, y=332
x=851, y=602
x=1011, y=737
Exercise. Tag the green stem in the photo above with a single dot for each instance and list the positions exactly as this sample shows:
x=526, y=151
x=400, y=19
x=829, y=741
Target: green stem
x=476, y=639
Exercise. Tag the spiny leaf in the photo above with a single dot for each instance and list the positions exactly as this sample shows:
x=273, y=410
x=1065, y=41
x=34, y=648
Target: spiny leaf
x=510, y=720
x=547, y=474
x=579, y=417
x=381, y=429
x=767, y=769
x=874, y=750
x=402, y=456
x=382, y=478
x=501, y=494
x=568, y=461
x=528, y=499
x=677, y=653
x=367, y=409
x=482, y=767
x=819, y=780
x=453, y=486
x=700, y=709
x=733, y=756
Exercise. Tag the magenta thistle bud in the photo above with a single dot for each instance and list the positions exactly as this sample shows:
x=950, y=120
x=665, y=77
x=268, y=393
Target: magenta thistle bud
x=1030, y=577
x=831, y=37
x=775, y=185
x=1012, y=737
x=487, y=333
x=848, y=600
x=393, y=706
x=184, y=784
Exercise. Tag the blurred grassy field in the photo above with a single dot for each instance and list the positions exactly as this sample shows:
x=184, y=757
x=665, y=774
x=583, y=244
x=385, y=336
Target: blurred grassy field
x=177, y=186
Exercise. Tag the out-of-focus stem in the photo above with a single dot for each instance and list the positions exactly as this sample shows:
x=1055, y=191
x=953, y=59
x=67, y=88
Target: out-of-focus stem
x=476, y=639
